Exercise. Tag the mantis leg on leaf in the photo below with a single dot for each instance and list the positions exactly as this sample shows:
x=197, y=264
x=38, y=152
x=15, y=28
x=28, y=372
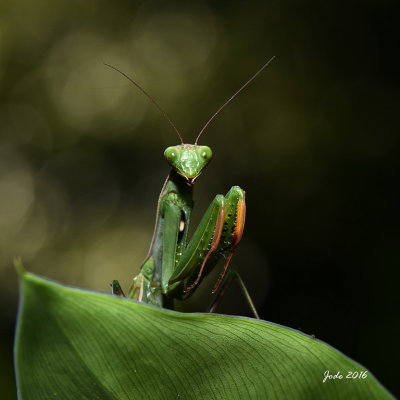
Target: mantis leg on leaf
x=175, y=266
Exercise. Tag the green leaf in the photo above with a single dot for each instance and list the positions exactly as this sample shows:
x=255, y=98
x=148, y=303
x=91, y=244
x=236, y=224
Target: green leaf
x=76, y=344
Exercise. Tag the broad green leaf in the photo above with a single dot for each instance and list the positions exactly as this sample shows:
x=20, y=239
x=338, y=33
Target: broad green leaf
x=76, y=344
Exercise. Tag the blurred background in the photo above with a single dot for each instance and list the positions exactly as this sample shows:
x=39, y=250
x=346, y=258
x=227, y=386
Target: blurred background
x=314, y=142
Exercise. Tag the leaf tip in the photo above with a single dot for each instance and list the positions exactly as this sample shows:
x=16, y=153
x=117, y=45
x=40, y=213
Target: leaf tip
x=19, y=267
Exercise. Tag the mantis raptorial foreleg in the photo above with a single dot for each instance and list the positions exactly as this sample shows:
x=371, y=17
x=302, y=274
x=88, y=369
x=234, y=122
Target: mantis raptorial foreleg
x=216, y=238
x=174, y=266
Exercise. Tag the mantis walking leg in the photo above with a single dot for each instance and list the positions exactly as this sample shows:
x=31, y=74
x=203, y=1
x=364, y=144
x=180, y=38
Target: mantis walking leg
x=231, y=276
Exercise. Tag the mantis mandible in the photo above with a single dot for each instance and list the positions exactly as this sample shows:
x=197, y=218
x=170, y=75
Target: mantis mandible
x=174, y=266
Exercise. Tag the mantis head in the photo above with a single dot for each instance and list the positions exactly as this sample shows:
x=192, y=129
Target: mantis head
x=188, y=160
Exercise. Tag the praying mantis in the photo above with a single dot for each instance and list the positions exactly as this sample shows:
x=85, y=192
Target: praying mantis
x=175, y=266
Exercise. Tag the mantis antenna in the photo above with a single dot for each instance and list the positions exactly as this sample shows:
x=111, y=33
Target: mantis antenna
x=166, y=116
x=232, y=97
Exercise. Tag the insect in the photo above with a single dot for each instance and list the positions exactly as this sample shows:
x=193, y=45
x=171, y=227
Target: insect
x=175, y=266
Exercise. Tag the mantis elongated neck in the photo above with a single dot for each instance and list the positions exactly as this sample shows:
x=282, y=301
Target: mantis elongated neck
x=182, y=186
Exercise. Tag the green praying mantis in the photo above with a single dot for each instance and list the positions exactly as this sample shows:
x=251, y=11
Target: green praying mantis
x=175, y=266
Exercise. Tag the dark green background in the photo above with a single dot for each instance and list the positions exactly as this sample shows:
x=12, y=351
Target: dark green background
x=314, y=142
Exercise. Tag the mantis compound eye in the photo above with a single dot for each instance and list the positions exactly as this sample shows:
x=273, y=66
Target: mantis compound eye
x=171, y=154
x=205, y=152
